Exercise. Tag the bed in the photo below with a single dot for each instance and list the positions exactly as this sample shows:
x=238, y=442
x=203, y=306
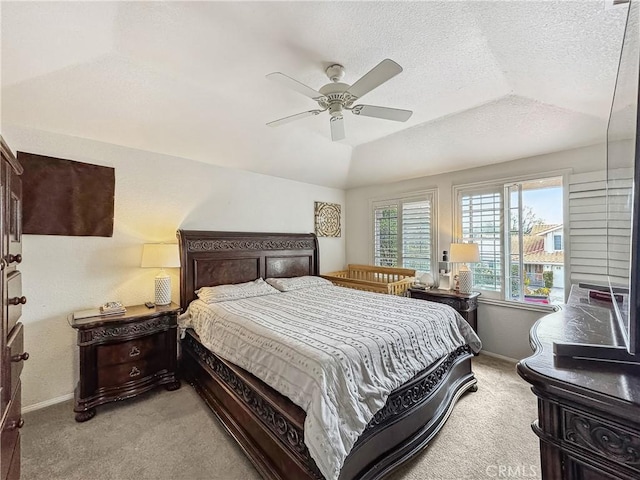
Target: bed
x=267, y=425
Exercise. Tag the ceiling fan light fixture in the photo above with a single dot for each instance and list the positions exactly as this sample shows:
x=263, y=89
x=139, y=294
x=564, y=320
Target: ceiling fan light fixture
x=335, y=109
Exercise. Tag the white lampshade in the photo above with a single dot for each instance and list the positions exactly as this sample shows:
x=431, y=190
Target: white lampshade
x=161, y=255
x=464, y=253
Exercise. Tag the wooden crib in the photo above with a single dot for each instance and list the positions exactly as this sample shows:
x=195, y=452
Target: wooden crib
x=391, y=280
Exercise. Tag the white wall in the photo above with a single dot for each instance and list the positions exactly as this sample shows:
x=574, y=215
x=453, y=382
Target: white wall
x=503, y=330
x=155, y=195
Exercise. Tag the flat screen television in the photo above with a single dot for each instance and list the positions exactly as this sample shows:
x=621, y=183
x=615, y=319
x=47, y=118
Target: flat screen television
x=623, y=188
x=623, y=210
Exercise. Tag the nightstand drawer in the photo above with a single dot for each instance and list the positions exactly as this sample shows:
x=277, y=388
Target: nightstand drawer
x=131, y=351
x=118, y=375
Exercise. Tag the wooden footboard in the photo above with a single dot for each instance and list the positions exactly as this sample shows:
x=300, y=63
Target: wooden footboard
x=270, y=428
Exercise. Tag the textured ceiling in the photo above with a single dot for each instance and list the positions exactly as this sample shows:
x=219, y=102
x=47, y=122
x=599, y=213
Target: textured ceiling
x=487, y=81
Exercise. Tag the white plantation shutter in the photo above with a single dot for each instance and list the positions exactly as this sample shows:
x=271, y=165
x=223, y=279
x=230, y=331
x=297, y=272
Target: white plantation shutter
x=403, y=232
x=385, y=250
x=514, y=244
x=481, y=215
x=416, y=235
x=588, y=227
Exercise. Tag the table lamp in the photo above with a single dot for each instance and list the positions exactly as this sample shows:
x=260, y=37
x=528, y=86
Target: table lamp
x=464, y=253
x=161, y=255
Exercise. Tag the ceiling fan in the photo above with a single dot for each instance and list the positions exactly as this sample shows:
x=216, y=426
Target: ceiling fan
x=338, y=97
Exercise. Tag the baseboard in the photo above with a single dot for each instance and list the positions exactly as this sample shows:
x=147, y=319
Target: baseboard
x=501, y=357
x=47, y=403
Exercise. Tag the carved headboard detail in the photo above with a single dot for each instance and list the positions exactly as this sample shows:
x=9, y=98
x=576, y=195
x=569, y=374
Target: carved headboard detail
x=217, y=258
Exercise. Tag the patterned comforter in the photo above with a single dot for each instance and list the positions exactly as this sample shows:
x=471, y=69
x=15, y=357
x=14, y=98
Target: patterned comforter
x=335, y=352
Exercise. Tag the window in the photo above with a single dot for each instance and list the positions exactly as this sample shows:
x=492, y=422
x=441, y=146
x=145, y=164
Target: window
x=402, y=232
x=557, y=242
x=511, y=222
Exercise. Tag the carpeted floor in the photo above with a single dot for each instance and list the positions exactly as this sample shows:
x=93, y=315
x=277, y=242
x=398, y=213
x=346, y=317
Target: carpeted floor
x=173, y=436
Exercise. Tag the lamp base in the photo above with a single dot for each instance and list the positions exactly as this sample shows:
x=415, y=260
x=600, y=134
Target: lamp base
x=163, y=290
x=465, y=279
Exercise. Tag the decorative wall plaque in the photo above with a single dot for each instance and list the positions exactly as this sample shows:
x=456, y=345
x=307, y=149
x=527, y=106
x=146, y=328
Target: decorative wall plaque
x=327, y=219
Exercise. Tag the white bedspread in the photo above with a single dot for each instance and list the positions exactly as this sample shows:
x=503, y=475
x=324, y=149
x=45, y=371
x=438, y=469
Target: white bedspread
x=335, y=352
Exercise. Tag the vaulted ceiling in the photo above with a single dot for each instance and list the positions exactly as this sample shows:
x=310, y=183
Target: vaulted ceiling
x=487, y=81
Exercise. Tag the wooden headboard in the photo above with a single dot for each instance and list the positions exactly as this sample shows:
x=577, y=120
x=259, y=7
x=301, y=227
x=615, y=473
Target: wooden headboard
x=218, y=258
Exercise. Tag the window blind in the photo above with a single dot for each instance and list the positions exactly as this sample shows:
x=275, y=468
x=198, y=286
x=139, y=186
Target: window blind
x=386, y=235
x=514, y=243
x=416, y=235
x=481, y=220
x=403, y=232
x=588, y=227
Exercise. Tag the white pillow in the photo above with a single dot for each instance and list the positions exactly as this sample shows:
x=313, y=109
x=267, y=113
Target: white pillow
x=295, y=283
x=222, y=293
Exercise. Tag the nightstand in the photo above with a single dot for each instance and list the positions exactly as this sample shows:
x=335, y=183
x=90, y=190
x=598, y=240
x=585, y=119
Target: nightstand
x=122, y=356
x=465, y=303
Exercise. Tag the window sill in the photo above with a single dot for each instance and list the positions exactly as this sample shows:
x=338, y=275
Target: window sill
x=520, y=306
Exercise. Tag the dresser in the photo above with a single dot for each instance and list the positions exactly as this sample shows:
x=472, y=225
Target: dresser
x=13, y=355
x=466, y=304
x=588, y=411
x=122, y=356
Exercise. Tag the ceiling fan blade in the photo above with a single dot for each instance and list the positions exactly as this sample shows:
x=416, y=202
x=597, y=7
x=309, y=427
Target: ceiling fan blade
x=291, y=118
x=337, y=128
x=395, y=114
x=287, y=81
x=379, y=74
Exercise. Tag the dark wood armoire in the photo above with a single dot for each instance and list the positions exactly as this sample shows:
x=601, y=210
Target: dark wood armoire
x=12, y=334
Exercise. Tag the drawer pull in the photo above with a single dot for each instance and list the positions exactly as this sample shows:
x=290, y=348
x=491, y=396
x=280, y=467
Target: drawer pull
x=15, y=258
x=12, y=425
x=20, y=357
x=17, y=300
x=134, y=372
x=135, y=351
